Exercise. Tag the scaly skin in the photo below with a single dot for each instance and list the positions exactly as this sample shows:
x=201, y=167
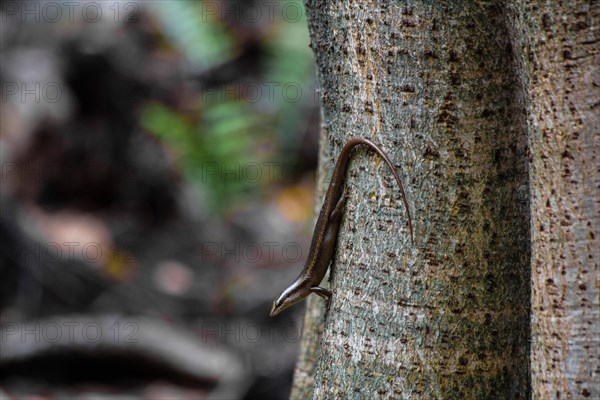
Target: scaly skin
x=326, y=230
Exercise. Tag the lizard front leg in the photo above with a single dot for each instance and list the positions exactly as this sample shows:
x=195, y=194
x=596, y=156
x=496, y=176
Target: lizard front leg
x=324, y=293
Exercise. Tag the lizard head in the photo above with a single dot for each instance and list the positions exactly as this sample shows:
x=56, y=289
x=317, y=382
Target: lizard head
x=277, y=307
x=288, y=298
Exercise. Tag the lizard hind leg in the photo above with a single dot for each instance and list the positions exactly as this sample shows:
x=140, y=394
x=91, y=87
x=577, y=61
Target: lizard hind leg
x=336, y=214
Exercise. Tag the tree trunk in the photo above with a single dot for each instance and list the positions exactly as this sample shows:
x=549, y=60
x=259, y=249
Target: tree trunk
x=448, y=317
x=561, y=72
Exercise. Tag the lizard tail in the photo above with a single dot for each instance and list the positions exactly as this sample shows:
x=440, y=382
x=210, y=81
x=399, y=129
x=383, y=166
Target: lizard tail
x=343, y=157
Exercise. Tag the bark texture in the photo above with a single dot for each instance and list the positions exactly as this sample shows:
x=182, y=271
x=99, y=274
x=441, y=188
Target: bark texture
x=561, y=73
x=312, y=328
x=448, y=317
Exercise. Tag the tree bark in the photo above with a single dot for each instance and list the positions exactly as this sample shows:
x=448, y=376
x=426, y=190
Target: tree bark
x=448, y=317
x=561, y=73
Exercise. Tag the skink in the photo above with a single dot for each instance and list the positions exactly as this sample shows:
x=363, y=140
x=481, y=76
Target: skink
x=326, y=231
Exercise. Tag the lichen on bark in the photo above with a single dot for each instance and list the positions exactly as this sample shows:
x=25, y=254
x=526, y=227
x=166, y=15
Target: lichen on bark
x=448, y=317
x=560, y=71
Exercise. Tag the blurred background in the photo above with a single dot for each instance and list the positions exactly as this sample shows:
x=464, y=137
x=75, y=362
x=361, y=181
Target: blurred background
x=157, y=185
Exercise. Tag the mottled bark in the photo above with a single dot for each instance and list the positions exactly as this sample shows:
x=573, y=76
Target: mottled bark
x=561, y=74
x=304, y=374
x=447, y=317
